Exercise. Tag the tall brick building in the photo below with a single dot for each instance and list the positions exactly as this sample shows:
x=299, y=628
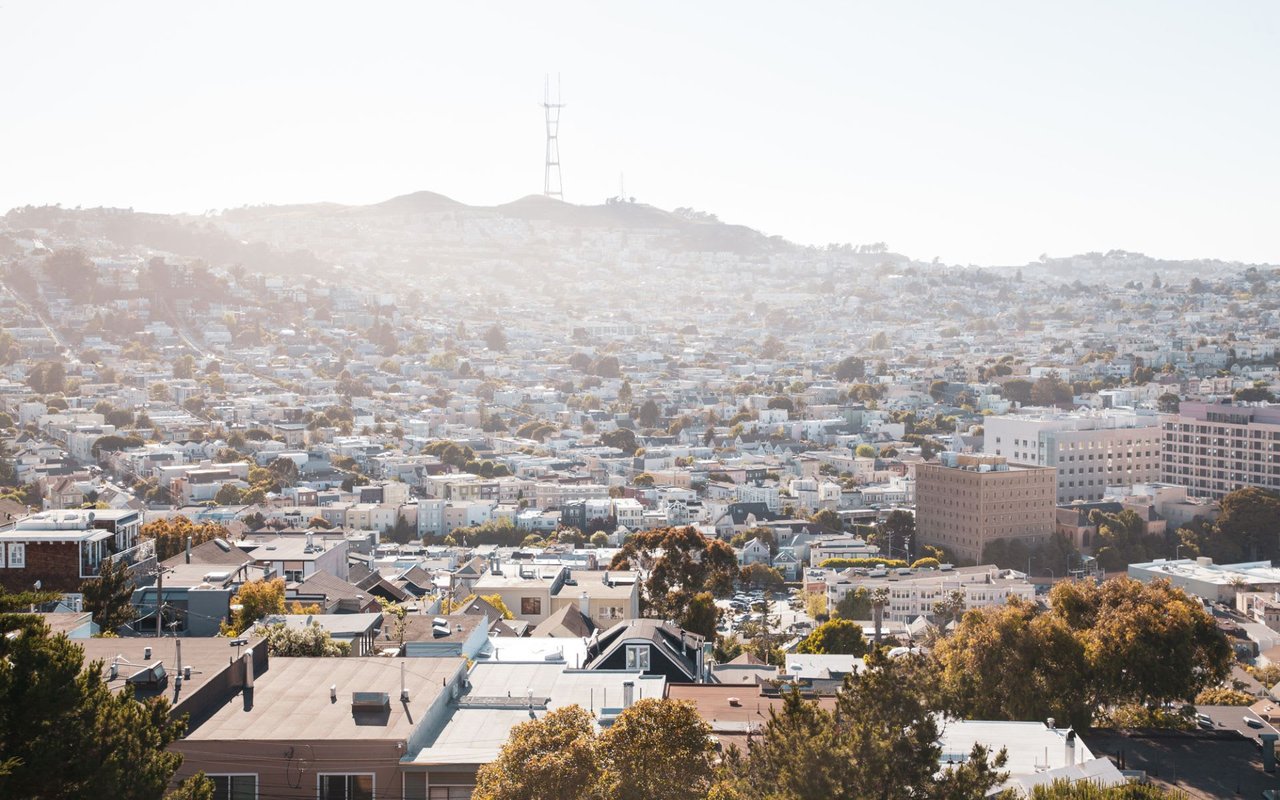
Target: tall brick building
x=967, y=500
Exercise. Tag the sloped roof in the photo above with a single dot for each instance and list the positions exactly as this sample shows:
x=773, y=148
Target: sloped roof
x=566, y=623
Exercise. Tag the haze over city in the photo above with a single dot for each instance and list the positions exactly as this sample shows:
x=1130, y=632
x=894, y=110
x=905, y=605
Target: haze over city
x=981, y=133
x=706, y=401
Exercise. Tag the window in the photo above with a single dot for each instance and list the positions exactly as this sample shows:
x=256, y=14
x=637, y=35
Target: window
x=530, y=605
x=638, y=656
x=346, y=787
x=234, y=787
x=17, y=555
x=293, y=576
x=450, y=793
x=415, y=786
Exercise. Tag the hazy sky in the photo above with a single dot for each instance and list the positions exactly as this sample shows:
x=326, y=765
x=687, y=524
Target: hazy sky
x=979, y=132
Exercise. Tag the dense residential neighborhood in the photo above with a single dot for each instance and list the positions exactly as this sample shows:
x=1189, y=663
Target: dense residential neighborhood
x=368, y=537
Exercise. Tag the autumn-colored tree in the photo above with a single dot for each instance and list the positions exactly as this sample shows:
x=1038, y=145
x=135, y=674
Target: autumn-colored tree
x=1146, y=643
x=255, y=600
x=836, y=637
x=1098, y=646
x=1064, y=789
x=552, y=757
x=992, y=643
x=657, y=750
x=1222, y=696
x=495, y=600
x=170, y=535
x=815, y=604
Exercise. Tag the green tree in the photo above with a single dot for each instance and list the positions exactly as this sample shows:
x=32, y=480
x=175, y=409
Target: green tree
x=836, y=637
x=827, y=518
x=63, y=732
x=622, y=438
x=881, y=743
x=762, y=576
x=898, y=534
x=679, y=563
x=1168, y=403
x=284, y=470
x=866, y=451
x=553, y=757
x=993, y=643
x=1248, y=526
x=781, y=402
x=311, y=640
x=599, y=539
x=109, y=597
x=648, y=413
x=701, y=616
x=850, y=369
x=1017, y=390
x=855, y=604
x=495, y=338
x=228, y=495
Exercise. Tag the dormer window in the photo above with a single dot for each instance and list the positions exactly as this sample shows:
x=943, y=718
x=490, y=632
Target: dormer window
x=638, y=657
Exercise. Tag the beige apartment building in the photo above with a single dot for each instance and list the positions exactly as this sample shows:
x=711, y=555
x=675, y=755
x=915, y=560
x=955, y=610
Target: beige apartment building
x=1092, y=449
x=967, y=500
x=1213, y=449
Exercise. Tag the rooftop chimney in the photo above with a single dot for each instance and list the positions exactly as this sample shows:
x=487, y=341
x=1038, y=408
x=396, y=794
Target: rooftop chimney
x=1069, y=751
x=1268, y=751
x=584, y=604
x=188, y=549
x=404, y=692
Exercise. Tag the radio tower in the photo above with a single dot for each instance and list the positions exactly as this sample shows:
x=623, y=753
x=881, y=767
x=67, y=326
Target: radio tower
x=552, y=184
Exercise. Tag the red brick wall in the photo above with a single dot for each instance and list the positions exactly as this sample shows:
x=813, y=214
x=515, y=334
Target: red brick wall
x=55, y=564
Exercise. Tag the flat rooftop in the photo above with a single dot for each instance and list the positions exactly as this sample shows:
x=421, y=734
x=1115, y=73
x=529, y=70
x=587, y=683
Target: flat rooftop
x=1251, y=572
x=1203, y=764
x=290, y=701
x=479, y=726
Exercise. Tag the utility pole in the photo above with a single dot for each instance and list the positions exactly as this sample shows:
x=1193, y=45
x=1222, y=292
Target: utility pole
x=552, y=184
x=159, y=601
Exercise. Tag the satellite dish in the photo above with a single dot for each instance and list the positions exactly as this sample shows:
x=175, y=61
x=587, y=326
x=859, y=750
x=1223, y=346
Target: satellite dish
x=38, y=585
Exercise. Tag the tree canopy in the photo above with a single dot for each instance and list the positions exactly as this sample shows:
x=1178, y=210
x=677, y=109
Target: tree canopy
x=881, y=743
x=655, y=750
x=1123, y=642
x=835, y=637
x=63, y=731
x=679, y=563
x=170, y=535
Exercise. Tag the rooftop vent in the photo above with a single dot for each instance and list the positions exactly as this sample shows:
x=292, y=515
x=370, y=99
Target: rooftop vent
x=151, y=676
x=370, y=701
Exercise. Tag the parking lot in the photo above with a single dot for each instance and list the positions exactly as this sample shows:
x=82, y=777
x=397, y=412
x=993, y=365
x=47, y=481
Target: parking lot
x=786, y=612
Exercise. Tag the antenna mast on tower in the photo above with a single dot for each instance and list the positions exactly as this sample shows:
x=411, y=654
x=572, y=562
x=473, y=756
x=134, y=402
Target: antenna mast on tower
x=552, y=183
